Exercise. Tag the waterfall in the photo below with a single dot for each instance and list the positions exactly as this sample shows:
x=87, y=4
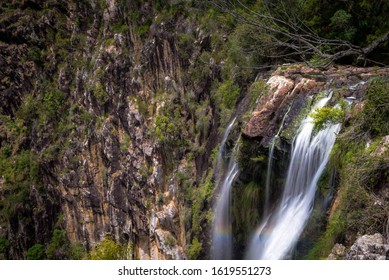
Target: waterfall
x=268, y=176
x=221, y=236
x=270, y=164
x=280, y=230
x=222, y=148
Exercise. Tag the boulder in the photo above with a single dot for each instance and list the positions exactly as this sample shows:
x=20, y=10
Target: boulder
x=369, y=247
x=338, y=252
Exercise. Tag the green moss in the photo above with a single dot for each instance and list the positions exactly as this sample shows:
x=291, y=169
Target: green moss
x=290, y=131
x=335, y=228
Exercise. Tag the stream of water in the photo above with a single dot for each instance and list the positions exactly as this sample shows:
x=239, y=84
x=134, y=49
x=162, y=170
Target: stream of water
x=221, y=233
x=280, y=230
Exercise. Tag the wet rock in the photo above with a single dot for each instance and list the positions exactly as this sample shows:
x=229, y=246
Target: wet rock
x=267, y=106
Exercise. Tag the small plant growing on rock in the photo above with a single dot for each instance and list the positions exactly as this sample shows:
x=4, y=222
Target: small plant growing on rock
x=325, y=116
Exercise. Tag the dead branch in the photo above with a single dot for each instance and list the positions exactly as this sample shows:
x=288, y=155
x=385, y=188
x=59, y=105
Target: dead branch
x=292, y=37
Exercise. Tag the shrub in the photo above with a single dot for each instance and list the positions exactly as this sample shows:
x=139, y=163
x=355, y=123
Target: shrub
x=59, y=247
x=170, y=241
x=228, y=93
x=36, y=252
x=77, y=251
x=376, y=110
x=326, y=116
x=108, y=249
x=4, y=247
x=194, y=249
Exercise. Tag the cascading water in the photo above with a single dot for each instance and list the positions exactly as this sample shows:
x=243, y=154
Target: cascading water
x=222, y=148
x=222, y=238
x=279, y=231
x=270, y=165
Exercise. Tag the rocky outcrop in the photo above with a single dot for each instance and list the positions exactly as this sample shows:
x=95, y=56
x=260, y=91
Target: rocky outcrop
x=383, y=146
x=337, y=252
x=369, y=247
x=289, y=86
x=268, y=105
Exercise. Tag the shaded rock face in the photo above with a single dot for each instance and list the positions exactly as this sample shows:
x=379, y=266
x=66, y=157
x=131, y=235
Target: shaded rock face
x=112, y=169
x=369, y=247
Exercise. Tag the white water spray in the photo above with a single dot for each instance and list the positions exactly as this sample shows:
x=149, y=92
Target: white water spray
x=279, y=232
x=221, y=236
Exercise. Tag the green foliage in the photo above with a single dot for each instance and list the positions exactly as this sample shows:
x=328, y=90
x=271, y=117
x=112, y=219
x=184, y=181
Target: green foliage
x=185, y=44
x=201, y=196
x=376, y=110
x=194, y=249
x=120, y=27
x=109, y=249
x=53, y=102
x=77, y=251
x=143, y=30
x=323, y=246
x=170, y=129
x=362, y=175
x=199, y=72
x=160, y=199
x=227, y=94
x=36, y=252
x=100, y=93
x=20, y=172
x=59, y=246
x=341, y=24
x=170, y=241
x=5, y=244
x=126, y=142
x=325, y=116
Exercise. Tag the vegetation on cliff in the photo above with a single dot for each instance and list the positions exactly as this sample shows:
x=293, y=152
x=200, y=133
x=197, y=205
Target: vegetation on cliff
x=111, y=113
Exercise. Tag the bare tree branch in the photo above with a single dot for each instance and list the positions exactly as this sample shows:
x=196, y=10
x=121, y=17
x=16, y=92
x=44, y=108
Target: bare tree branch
x=292, y=37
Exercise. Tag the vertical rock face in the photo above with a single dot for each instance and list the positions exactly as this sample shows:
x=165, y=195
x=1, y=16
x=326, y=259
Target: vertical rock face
x=110, y=176
x=107, y=123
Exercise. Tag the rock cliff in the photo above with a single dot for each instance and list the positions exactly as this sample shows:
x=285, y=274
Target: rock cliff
x=110, y=117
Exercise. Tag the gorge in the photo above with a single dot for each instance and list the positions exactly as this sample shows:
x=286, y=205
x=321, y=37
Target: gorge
x=181, y=130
